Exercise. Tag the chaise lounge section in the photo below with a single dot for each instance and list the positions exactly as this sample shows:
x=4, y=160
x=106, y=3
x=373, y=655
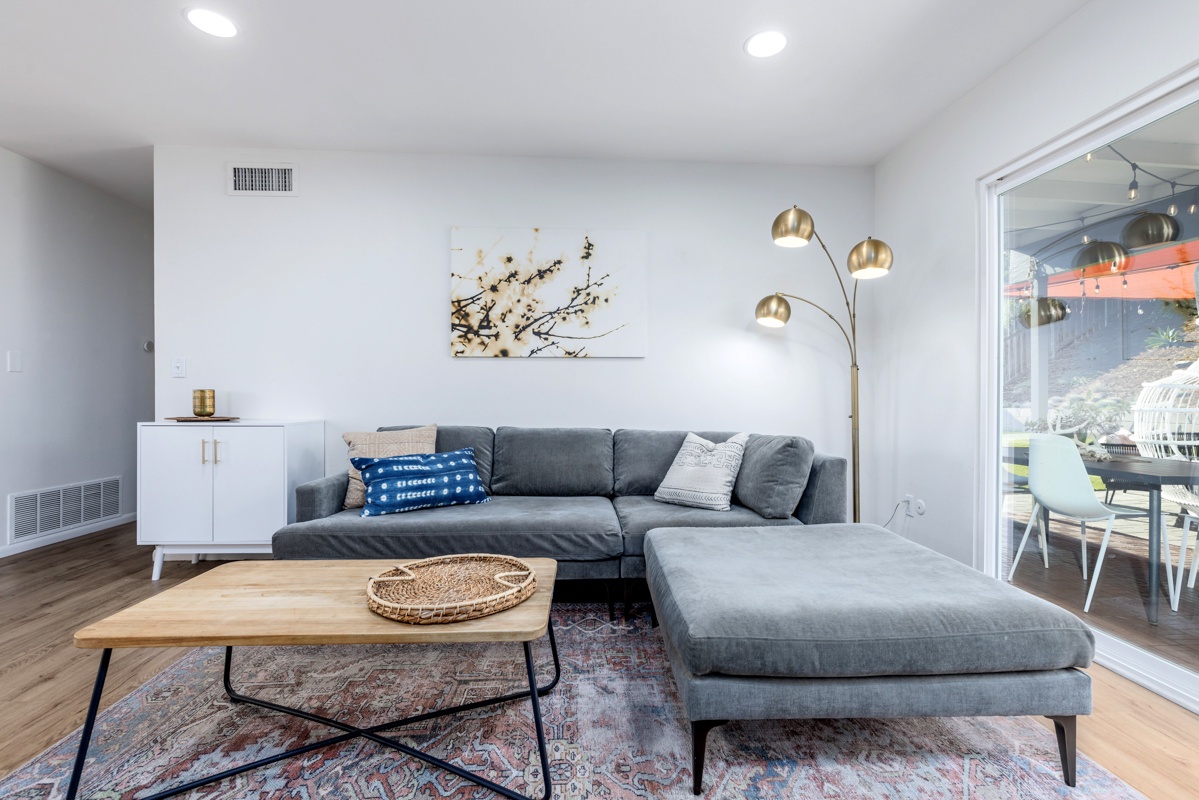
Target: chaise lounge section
x=843, y=621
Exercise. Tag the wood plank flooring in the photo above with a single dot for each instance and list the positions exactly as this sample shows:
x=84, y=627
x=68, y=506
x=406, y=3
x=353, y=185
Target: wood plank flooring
x=49, y=593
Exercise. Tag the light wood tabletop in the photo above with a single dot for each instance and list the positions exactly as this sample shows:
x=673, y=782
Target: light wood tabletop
x=299, y=603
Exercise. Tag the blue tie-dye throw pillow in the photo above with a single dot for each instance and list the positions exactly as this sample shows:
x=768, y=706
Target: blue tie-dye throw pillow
x=406, y=483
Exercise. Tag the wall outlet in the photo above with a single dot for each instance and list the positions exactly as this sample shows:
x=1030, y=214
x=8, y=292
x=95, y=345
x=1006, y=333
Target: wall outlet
x=908, y=501
x=179, y=368
x=14, y=361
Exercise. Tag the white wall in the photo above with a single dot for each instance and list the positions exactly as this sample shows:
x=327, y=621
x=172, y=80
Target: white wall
x=278, y=303
x=922, y=373
x=76, y=276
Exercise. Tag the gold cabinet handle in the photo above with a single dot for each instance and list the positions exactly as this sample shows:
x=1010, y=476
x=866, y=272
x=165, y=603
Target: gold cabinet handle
x=203, y=451
x=215, y=458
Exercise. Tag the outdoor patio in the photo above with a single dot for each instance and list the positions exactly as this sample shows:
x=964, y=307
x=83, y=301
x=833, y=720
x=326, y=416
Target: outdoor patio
x=1121, y=598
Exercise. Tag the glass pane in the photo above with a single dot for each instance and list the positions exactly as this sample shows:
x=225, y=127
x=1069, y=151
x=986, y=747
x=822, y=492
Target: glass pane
x=1099, y=346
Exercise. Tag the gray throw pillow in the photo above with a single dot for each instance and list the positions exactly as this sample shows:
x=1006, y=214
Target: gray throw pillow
x=703, y=473
x=774, y=473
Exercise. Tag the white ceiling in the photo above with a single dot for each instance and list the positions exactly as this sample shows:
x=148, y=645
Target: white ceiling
x=89, y=86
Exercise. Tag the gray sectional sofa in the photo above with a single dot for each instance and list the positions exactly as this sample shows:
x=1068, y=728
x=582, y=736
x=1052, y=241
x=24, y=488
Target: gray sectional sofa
x=582, y=496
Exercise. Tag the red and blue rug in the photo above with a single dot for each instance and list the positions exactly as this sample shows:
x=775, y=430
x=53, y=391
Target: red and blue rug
x=614, y=726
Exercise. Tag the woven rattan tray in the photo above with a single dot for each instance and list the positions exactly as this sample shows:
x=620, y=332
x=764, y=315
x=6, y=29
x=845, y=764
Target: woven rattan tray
x=450, y=588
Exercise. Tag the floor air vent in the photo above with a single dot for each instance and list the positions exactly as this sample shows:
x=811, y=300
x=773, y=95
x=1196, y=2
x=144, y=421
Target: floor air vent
x=260, y=179
x=34, y=514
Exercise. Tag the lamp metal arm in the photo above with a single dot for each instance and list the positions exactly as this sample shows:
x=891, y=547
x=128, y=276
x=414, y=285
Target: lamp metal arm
x=853, y=317
x=851, y=342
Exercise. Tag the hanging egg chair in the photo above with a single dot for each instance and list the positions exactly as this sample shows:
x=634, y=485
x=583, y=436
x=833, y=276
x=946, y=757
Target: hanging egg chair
x=1165, y=423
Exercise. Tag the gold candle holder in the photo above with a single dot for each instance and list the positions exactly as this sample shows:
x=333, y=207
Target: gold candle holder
x=203, y=402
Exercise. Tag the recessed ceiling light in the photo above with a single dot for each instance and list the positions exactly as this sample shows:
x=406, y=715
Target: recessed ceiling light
x=765, y=44
x=211, y=22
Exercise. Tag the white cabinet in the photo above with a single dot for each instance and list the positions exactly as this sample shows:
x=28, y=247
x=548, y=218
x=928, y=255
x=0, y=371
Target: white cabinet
x=221, y=487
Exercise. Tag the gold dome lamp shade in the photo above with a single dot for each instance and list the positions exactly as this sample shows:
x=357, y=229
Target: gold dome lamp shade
x=1150, y=229
x=1101, y=252
x=870, y=259
x=773, y=311
x=793, y=228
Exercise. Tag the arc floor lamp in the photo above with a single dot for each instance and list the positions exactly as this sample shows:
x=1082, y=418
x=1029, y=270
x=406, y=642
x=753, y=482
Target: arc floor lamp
x=868, y=259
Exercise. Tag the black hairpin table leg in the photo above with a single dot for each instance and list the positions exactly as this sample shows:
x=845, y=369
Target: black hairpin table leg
x=85, y=736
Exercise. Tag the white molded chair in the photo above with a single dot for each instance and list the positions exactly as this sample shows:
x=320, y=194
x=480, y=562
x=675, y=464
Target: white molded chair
x=1059, y=483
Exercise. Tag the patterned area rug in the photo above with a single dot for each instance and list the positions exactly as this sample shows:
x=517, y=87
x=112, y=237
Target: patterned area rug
x=614, y=726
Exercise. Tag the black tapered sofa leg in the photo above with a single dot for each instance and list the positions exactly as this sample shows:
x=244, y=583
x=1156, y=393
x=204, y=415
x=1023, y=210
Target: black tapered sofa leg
x=1067, y=746
x=699, y=741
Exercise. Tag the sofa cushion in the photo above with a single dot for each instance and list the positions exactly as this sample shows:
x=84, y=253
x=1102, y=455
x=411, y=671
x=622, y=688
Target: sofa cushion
x=641, y=459
x=774, y=473
x=564, y=528
x=638, y=515
x=703, y=473
x=382, y=444
x=845, y=601
x=456, y=437
x=552, y=462
x=402, y=484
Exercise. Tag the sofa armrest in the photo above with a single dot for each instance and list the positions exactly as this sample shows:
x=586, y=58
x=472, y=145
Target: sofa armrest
x=825, y=497
x=323, y=497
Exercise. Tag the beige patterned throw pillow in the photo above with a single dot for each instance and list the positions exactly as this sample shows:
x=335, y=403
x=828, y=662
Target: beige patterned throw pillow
x=384, y=444
x=703, y=473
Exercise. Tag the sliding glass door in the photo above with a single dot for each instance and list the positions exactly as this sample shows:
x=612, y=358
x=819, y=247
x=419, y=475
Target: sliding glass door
x=1099, y=345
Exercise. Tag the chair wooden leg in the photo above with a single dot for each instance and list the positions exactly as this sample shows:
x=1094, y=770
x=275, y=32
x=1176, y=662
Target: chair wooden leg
x=1020, y=550
x=1099, y=564
x=1067, y=746
x=699, y=741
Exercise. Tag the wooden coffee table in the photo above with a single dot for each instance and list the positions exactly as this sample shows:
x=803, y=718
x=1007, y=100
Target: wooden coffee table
x=312, y=603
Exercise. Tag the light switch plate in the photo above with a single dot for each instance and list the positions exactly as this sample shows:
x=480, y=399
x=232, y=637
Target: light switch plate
x=14, y=360
x=179, y=368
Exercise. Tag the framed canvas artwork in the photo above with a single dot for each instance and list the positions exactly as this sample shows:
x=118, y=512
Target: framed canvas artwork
x=558, y=293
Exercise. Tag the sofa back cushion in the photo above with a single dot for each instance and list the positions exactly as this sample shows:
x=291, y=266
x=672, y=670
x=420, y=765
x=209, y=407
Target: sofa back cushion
x=774, y=473
x=456, y=437
x=552, y=462
x=641, y=459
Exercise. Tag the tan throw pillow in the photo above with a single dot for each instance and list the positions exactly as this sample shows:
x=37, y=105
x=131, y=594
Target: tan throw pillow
x=384, y=444
x=703, y=473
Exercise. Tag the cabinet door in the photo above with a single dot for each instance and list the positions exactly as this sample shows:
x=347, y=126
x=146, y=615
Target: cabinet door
x=175, y=481
x=249, y=486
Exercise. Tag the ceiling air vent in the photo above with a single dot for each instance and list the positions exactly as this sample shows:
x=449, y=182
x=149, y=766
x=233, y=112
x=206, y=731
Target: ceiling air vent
x=277, y=180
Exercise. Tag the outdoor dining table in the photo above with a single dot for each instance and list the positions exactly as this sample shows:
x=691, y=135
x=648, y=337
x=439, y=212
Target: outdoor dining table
x=1137, y=473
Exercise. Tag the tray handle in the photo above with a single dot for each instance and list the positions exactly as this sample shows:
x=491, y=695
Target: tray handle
x=407, y=576
x=523, y=573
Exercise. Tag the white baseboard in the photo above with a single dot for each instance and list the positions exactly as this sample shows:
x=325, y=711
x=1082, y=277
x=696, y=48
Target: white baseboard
x=62, y=536
x=1157, y=674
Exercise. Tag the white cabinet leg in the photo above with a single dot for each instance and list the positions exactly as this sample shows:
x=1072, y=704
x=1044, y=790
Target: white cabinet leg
x=159, y=554
x=195, y=558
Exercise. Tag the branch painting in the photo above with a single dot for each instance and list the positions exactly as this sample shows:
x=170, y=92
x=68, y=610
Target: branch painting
x=533, y=292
